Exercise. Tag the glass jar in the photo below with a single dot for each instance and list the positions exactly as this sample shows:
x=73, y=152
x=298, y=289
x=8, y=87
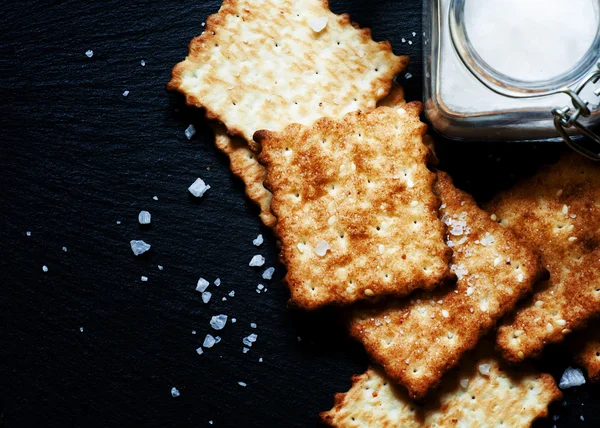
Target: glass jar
x=514, y=70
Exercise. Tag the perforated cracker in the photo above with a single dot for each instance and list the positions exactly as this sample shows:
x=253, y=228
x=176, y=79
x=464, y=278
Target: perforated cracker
x=588, y=355
x=557, y=213
x=418, y=340
x=504, y=397
x=357, y=217
x=262, y=64
x=245, y=165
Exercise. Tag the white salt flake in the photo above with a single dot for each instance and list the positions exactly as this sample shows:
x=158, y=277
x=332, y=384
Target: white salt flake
x=403, y=40
x=445, y=313
x=144, y=278
x=89, y=53
x=144, y=217
x=233, y=320
x=410, y=42
x=199, y=350
x=232, y=293
x=260, y=360
x=321, y=248
x=487, y=239
x=464, y=383
x=520, y=277
x=245, y=350
x=175, y=392
x=160, y=267
x=28, y=233
x=139, y=247
x=242, y=384
x=253, y=325
x=193, y=331
x=198, y=188
x=118, y=221
x=318, y=24
x=571, y=377
x=249, y=340
x=257, y=260
x=202, y=285
x=217, y=282
x=125, y=93
x=258, y=240
x=224, y=299
x=64, y=249
x=268, y=273
x=190, y=131
x=206, y=295
x=484, y=369
x=81, y=329
x=45, y=268
x=143, y=63
x=218, y=322
x=408, y=76
x=155, y=198
x=209, y=341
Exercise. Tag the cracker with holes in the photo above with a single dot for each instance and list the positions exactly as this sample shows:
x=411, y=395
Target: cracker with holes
x=588, y=355
x=356, y=213
x=484, y=392
x=418, y=340
x=245, y=165
x=269, y=63
x=557, y=213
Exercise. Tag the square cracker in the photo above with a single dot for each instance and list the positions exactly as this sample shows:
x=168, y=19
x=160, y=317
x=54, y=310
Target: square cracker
x=508, y=396
x=244, y=163
x=557, y=213
x=259, y=64
x=418, y=341
x=360, y=186
x=588, y=354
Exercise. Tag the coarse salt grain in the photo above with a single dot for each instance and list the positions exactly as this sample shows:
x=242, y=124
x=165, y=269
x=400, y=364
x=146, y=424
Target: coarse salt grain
x=139, y=247
x=253, y=325
x=484, y=369
x=28, y=233
x=233, y=320
x=175, y=392
x=202, y=285
x=198, y=188
x=464, y=383
x=143, y=63
x=408, y=76
x=232, y=293
x=209, y=341
x=217, y=282
x=321, y=248
x=249, y=340
x=45, y=268
x=199, y=350
x=64, y=249
x=318, y=24
x=190, y=131
x=89, y=53
x=155, y=198
x=445, y=313
x=81, y=329
x=258, y=240
x=206, y=295
x=125, y=93
x=160, y=267
x=144, y=217
x=257, y=261
x=268, y=273
x=242, y=384
x=571, y=377
x=144, y=278
x=218, y=322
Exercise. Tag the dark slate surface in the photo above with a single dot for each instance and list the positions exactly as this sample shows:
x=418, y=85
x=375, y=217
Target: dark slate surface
x=76, y=156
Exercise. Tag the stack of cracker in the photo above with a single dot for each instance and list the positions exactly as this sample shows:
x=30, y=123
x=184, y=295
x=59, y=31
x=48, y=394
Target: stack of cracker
x=304, y=106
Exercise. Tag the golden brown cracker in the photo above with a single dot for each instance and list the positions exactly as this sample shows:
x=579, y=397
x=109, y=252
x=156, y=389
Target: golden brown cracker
x=588, y=354
x=264, y=65
x=418, y=340
x=245, y=165
x=557, y=213
x=507, y=396
x=358, y=188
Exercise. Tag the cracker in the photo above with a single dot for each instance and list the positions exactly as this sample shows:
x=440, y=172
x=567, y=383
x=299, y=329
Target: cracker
x=361, y=186
x=245, y=165
x=508, y=396
x=418, y=341
x=261, y=65
x=588, y=355
x=557, y=213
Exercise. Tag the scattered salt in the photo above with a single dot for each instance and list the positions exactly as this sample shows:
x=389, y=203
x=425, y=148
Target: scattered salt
x=242, y=384
x=403, y=40
x=233, y=320
x=249, y=340
x=175, y=392
x=257, y=260
x=199, y=350
x=125, y=93
x=190, y=131
x=218, y=282
x=253, y=325
x=143, y=63
x=45, y=268
x=118, y=221
x=571, y=377
x=245, y=350
x=268, y=273
x=89, y=53
x=64, y=249
x=318, y=24
x=144, y=278
x=410, y=42
x=321, y=248
x=260, y=360
x=209, y=341
x=206, y=296
x=218, y=321
x=445, y=313
x=139, y=247
x=258, y=240
x=202, y=285
x=144, y=217
x=408, y=76
x=232, y=293
x=193, y=331
x=484, y=369
x=160, y=267
x=155, y=198
x=81, y=329
x=28, y=233
x=198, y=188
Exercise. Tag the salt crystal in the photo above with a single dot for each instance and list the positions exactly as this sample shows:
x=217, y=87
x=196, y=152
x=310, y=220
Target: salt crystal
x=253, y=325
x=484, y=369
x=45, y=268
x=118, y=221
x=64, y=249
x=321, y=248
x=193, y=331
x=260, y=286
x=143, y=63
x=89, y=53
x=571, y=377
x=139, y=247
x=260, y=360
x=224, y=299
x=199, y=350
x=155, y=198
x=403, y=40
x=144, y=217
x=218, y=321
x=487, y=239
x=268, y=273
x=144, y=278
x=258, y=240
x=257, y=260
x=520, y=277
x=217, y=339
x=202, y=285
x=209, y=341
x=125, y=93
x=206, y=295
x=410, y=42
x=249, y=340
x=81, y=329
x=160, y=267
x=198, y=188
x=318, y=24
x=445, y=313
x=233, y=320
x=414, y=34
x=242, y=384
x=190, y=131
x=218, y=282
x=245, y=350
x=28, y=233
x=175, y=392
x=464, y=383
x=408, y=76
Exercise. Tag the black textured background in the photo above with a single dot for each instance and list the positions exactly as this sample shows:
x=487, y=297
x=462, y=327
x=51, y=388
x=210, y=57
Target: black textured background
x=76, y=156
